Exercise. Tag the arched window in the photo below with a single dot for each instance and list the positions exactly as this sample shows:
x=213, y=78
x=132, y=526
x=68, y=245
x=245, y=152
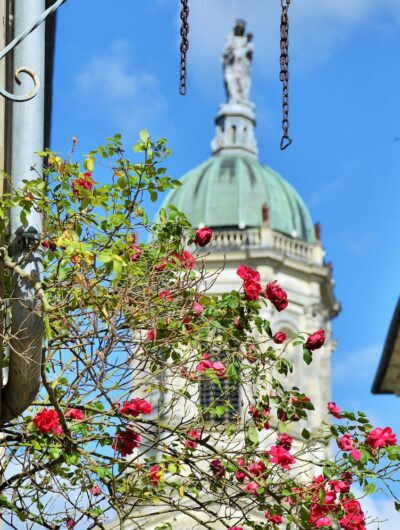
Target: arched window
x=234, y=134
x=244, y=136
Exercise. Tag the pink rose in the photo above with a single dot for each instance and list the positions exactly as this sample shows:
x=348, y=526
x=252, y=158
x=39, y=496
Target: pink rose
x=197, y=308
x=279, y=337
x=285, y=441
x=381, y=438
x=204, y=365
x=75, y=414
x=276, y=296
x=334, y=409
x=256, y=468
x=70, y=523
x=281, y=456
x=345, y=442
x=315, y=340
x=95, y=490
x=247, y=273
x=203, y=236
x=252, y=488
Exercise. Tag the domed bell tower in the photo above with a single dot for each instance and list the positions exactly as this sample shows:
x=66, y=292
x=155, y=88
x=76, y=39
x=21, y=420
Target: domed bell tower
x=260, y=220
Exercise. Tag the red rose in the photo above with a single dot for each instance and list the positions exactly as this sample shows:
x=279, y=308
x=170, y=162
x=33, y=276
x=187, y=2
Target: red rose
x=155, y=474
x=166, y=295
x=186, y=259
x=151, y=335
x=48, y=421
x=161, y=266
x=276, y=295
x=217, y=468
x=75, y=414
x=70, y=523
x=235, y=528
x=50, y=245
x=136, y=406
x=203, y=236
x=247, y=273
x=279, y=337
x=381, y=438
x=190, y=444
x=315, y=340
x=136, y=251
x=275, y=519
x=125, y=442
x=85, y=181
x=252, y=289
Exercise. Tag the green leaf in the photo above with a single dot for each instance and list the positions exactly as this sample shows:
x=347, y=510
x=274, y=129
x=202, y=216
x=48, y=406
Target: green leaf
x=144, y=136
x=369, y=488
x=219, y=411
x=172, y=469
x=397, y=506
x=305, y=434
x=252, y=435
x=54, y=452
x=307, y=356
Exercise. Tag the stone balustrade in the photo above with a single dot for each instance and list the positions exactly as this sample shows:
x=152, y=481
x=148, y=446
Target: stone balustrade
x=264, y=237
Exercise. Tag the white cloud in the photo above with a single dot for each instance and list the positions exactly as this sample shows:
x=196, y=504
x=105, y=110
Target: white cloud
x=318, y=28
x=380, y=509
x=116, y=91
x=347, y=366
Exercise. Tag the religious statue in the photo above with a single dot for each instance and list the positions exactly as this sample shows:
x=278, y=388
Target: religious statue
x=237, y=60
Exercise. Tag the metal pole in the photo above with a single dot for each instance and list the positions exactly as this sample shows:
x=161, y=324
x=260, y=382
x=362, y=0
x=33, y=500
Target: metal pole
x=27, y=138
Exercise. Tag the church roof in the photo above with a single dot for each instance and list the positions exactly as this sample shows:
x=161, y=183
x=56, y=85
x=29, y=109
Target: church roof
x=231, y=190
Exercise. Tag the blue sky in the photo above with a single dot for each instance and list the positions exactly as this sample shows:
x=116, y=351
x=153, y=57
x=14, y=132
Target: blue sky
x=116, y=70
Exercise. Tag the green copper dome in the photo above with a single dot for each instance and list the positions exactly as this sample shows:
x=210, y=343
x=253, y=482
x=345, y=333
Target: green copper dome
x=231, y=190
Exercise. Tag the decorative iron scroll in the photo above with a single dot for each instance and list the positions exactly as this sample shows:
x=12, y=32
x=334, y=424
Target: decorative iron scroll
x=25, y=69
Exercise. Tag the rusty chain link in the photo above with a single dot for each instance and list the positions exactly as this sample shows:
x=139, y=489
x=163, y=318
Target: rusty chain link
x=184, y=45
x=284, y=73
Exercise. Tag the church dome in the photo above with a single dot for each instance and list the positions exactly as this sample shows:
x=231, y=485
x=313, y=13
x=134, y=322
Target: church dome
x=233, y=190
x=236, y=191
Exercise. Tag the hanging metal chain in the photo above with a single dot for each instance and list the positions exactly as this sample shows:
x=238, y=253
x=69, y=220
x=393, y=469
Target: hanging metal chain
x=284, y=73
x=184, y=45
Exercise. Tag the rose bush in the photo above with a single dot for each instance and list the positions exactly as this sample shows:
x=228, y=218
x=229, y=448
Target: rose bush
x=131, y=338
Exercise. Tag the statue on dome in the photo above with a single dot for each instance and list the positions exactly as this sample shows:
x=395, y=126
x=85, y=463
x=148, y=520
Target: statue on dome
x=237, y=60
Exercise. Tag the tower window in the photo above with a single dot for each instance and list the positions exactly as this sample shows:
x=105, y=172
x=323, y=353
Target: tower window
x=225, y=393
x=244, y=137
x=234, y=134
